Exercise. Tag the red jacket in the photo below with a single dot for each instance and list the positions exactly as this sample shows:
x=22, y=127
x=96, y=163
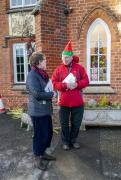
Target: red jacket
x=70, y=98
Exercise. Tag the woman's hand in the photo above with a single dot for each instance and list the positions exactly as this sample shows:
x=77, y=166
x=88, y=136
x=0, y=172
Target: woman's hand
x=54, y=94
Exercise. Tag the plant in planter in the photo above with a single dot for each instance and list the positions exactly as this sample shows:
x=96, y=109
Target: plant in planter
x=102, y=113
x=103, y=104
x=15, y=112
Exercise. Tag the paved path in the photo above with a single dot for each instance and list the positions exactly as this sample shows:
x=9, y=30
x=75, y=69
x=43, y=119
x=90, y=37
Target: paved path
x=98, y=159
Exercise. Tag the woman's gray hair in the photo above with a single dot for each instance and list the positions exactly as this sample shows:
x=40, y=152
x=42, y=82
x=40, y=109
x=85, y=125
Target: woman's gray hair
x=35, y=58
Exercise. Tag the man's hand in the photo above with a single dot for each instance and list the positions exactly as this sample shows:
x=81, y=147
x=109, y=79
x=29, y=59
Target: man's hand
x=71, y=86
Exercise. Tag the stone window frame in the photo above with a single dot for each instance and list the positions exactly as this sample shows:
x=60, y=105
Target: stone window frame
x=17, y=46
x=104, y=24
x=22, y=5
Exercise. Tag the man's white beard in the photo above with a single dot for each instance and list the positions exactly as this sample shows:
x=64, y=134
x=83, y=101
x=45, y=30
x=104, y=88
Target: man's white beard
x=67, y=62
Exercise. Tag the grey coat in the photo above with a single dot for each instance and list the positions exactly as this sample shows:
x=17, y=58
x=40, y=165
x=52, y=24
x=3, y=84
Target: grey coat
x=40, y=102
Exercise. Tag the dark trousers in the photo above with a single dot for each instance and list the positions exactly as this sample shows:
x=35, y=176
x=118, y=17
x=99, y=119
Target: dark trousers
x=43, y=132
x=70, y=120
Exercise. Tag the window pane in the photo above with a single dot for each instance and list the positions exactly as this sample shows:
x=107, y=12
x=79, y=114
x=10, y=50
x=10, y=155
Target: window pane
x=94, y=34
x=102, y=74
x=21, y=52
x=27, y=2
x=17, y=60
x=94, y=47
x=18, y=78
x=19, y=2
x=14, y=2
x=22, y=68
x=17, y=52
x=98, y=32
x=94, y=74
x=22, y=78
x=33, y=1
x=102, y=47
x=22, y=60
x=102, y=61
x=102, y=33
x=18, y=68
x=94, y=61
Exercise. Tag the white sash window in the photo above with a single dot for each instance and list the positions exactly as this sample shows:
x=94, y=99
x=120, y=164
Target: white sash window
x=20, y=61
x=22, y=3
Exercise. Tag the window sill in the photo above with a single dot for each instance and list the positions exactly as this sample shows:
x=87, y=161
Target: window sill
x=19, y=87
x=99, y=90
x=19, y=9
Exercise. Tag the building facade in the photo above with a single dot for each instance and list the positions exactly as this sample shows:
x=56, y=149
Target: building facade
x=94, y=28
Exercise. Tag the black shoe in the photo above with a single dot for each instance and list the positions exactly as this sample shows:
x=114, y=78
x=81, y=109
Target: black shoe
x=66, y=147
x=39, y=164
x=48, y=157
x=76, y=145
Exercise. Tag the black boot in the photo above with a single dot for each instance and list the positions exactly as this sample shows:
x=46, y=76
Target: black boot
x=48, y=157
x=38, y=163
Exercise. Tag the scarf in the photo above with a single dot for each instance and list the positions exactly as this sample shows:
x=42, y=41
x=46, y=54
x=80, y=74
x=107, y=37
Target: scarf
x=41, y=72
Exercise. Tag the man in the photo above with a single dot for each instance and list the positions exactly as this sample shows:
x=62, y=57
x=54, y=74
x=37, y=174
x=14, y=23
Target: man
x=70, y=96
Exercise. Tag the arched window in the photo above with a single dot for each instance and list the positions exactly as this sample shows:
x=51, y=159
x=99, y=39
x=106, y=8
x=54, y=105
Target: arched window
x=98, y=52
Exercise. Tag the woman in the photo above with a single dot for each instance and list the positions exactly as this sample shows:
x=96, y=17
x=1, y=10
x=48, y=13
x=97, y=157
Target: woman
x=40, y=109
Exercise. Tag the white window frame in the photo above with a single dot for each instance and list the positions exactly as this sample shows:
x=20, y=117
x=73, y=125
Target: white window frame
x=16, y=46
x=23, y=4
x=108, y=34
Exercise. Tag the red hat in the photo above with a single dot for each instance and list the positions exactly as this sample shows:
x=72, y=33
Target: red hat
x=68, y=49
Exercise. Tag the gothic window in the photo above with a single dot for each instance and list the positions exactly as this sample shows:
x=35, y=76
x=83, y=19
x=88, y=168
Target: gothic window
x=22, y=3
x=98, y=52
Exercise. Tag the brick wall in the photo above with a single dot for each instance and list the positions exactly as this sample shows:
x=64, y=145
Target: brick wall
x=4, y=53
x=50, y=39
x=108, y=10
x=51, y=26
x=53, y=29
x=10, y=97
